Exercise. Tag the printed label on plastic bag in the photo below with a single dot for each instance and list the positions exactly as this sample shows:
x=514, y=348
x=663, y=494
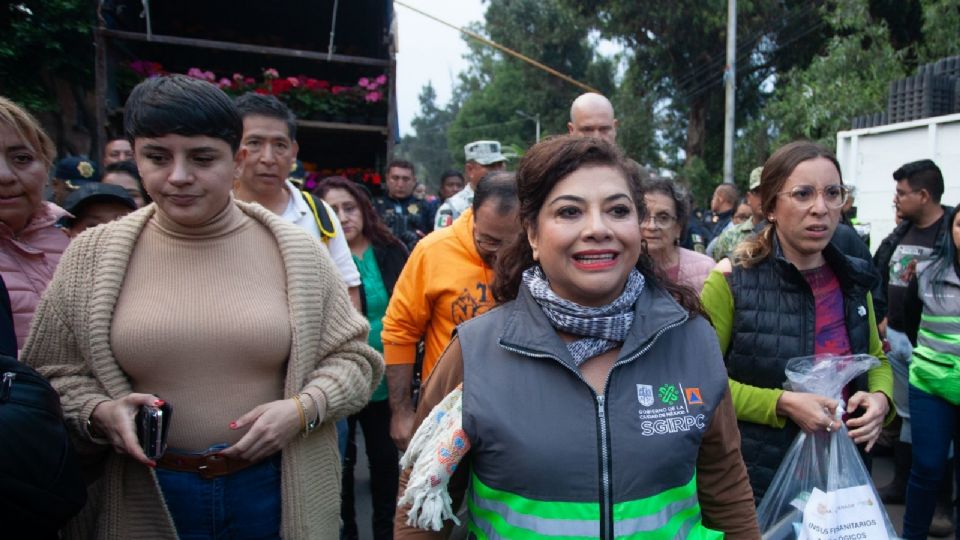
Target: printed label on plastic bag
x=844, y=514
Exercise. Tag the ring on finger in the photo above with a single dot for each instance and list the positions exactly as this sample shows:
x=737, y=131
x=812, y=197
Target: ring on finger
x=829, y=427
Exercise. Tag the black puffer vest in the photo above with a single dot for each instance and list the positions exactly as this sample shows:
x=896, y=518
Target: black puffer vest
x=774, y=321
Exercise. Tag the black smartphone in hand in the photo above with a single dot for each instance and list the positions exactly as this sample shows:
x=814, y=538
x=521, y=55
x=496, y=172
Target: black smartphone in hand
x=152, y=424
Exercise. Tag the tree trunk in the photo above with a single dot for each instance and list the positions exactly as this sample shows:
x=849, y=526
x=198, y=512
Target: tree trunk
x=71, y=125
x=696, y=128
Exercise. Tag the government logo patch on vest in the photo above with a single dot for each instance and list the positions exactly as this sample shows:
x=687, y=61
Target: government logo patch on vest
x=672, y=413
x=645, y=394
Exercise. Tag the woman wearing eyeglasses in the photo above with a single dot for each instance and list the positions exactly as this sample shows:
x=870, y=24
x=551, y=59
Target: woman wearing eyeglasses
x=790, y=293
x=666, y=219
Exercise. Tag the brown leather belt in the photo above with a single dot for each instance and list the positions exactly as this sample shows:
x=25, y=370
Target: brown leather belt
x=208, y=466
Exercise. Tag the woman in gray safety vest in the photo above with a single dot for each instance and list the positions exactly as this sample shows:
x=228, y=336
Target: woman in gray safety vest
x=593, y=401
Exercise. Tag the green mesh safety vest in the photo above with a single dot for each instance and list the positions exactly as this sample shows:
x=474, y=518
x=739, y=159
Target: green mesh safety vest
x=935, y=368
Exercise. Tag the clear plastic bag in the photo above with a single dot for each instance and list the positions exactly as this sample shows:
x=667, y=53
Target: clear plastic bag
x=822, y=490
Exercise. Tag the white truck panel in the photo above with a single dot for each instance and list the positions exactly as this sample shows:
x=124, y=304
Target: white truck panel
x=869, y=156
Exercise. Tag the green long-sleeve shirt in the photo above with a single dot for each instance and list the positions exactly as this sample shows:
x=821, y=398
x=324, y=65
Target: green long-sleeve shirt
x=757, y=404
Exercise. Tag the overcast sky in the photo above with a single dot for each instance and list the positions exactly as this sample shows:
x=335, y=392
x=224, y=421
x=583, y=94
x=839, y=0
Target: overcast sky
x=429, y=51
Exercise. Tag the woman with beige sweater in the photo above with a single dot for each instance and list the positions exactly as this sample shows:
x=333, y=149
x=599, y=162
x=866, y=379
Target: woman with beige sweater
x=234, y=317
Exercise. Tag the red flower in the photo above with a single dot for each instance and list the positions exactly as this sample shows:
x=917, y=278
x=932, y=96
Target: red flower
x=339, y=89
x=280, y=86
x=261, y=91
x=316, y=84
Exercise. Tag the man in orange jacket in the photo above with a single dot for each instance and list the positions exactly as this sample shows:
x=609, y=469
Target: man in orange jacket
x=445, y=282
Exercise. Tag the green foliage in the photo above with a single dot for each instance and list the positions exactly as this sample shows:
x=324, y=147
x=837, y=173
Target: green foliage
x=850, y=79
x=428, y=148
x=42, y=39
x=698, y=180
x=941, y=23
x=497, y=86
x=852, y=75
x=634, y=101
x=678, y=60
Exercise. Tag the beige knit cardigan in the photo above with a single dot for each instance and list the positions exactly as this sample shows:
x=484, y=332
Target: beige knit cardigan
x=70, y=345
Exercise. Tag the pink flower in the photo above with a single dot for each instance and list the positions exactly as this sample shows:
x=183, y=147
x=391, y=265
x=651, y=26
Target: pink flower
x=238, y=77
x=270, y=73
x=364, y=82
x=198, y=73
x=381, y=80
x=294, y=82
x=372, y=97
x=224, y=83
x=249, y=81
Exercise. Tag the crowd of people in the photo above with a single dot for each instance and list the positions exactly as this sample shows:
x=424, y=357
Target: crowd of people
x=559, y=347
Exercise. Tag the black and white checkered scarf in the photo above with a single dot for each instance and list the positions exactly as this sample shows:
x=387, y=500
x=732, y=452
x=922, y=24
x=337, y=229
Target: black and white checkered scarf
x=604, y=328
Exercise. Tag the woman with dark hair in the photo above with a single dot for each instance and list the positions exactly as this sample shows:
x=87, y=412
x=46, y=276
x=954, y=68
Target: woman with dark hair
x=379, y=257
x=665, y=220
x=935, y=385
x=594, y=401
x=221, y=309
x=791, y=293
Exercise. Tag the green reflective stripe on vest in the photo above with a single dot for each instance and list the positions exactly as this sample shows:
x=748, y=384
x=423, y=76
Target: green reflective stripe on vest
x=493, y=524
x=495, y=514
x=543, y=509
x=926, y=317
x=933, y=347
x=940, y=332
x=675, y=513
x=686, y=494
x=941, y=360
x=501, y=514
x=664, y=525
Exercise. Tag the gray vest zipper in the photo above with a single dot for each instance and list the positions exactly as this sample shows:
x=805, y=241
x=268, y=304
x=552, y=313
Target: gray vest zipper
x=606, y=495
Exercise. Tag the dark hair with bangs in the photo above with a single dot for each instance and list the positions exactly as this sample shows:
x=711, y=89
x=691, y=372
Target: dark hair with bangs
x=374, y=229
x=181, y=105
x=543, y=166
